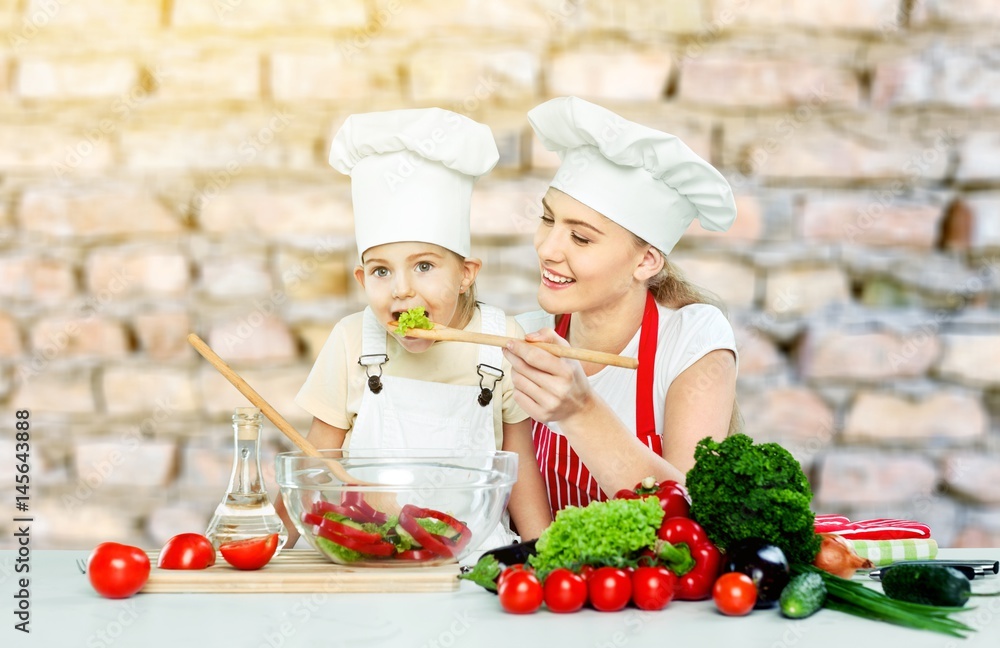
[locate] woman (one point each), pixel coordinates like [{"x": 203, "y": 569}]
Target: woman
[{"x": 621, "y": 199}]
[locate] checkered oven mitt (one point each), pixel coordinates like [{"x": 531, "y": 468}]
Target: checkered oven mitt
[
  {"x": 886, "y": 552},
  {"x": 883, "y": 540}
]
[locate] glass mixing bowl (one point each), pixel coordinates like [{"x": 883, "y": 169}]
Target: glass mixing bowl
[{"x": 396, "y": 507}]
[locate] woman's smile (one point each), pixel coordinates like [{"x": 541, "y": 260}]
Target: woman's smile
[{"x": 555, "y": 281}]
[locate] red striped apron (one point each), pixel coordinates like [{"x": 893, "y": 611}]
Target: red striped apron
[{"x": 567, "y": 480}]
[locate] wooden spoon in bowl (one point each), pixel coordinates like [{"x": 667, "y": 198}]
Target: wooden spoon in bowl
[
  {"x": 441, "y": 332},
  {"x": 384, "y": 502}
]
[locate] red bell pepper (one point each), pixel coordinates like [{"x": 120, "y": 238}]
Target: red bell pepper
[
  {"x": 356, "y": 501},
  {"x": 685, "y": 548},
  {"x": 312, "y": 518},
  {"x": 332, "y": 526},
  {"x": 673, "y": 497},
  {"x": 365, "y": 542},
  {"x": 439, "y": 544},
  {"x": 379, "y": 547},
  {"x": 353, "y": 506},
  {"x": 322, "y": 507}
]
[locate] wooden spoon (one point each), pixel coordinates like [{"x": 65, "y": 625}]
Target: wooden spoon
[
  {"x": 272, "y": 415},
  {"x": 440, "y": 332}
]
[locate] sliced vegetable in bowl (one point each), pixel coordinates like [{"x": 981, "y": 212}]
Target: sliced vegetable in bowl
[
  {"x": 444, "y": 503},
  {"x": 349, "y": 536}
]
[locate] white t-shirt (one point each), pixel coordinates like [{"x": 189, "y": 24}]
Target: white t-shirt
[
  {"x": 685, "y": 336},
  {"x": 333, "y": 390}
]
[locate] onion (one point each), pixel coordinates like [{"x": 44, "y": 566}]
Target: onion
[{"x": 837, "y": 557}]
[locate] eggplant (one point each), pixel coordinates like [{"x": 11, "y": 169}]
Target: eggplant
[
  {"x": 514, "y": 554},
  {"x": 764, "y": 563},
  {"x": 507, "y": 555}
]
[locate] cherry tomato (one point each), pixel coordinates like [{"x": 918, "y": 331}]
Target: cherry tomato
[
  {"x": 586, "y": 572},
  {"x": 734, "y": 594},
  {"x": 610, "y": 589},
  {"x": 520, "y": 592},
  {"x": 564, "y": 591},
  {"x": 513, "y": 569},
  {"x": 252, "y": 553},
  {"x": 117, "y": 570},
  {"x": 187, "y": 551},
  {"x": 653, "y": 587}
]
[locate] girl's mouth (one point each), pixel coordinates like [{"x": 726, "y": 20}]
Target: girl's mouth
[{"x": 397, "y": 314}]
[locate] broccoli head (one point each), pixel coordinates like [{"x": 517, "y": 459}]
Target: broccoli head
[{"x": 743, "y": 490}]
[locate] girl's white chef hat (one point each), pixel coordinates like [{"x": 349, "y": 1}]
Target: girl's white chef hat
[
  {"x": 647, "y": 181},
  {"x": 412, "y": 173}
]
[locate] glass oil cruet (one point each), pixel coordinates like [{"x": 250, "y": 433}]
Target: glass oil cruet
[{"x": 245, "y": 511}]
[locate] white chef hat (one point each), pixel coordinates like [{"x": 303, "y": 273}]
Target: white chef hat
[
  {"x": 412, "y": 173},
  {"x": 647, "y": 181}
]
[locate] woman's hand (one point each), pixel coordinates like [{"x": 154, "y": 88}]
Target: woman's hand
[{"x": 548, "y": 388}]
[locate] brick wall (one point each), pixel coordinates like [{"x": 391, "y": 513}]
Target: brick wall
[{"x": 162, "y": 171}]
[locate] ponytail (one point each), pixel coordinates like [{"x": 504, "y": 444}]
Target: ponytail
[{"x": 671, "y": 289}]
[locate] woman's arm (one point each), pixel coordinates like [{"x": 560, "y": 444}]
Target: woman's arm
[
  {"x": 553, "y": 389},
  {"x": 699, "y": 404},
  {"x": 322, "y": 436},
  {"x": 529, "y": 504}
]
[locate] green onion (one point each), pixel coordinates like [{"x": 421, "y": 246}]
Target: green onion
[{"x": 854, "y": 598}]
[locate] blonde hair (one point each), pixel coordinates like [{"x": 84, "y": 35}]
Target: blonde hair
[
  {"x": 671, "y": 289},
  {"x": 467, "y": 303},
  {"x": 466, "y": 300}
]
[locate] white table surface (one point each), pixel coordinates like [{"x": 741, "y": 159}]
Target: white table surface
[{"x": 66, "y": 612}]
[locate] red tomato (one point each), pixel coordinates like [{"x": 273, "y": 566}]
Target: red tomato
[
  {"x": 653, "y": 587},
  {"x": 520, "y": 592},
  {"x": 116, "y": 570},
  {"x": 513, "y": 569},
  {"x": 734, "y": 594},
  {"x": 586, "y": 572},
  {"x": 252, "y": 553},
  {"x": 610, "y": 589},
  {"x": 564, "y": 591},
  {"x": 187, "y": 551}
]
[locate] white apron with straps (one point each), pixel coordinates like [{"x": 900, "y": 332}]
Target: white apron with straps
[{"x": 418, "y": 414}]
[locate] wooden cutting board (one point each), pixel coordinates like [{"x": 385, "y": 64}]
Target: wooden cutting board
[{"x": 301, "y": 570}]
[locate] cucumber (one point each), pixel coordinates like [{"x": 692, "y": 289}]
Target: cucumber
[
  {"x": 405, "y": 536},
  {"x": 336, "y": 553},
  {"x": 927, "y": 584},
  {"x": 803, "y": 596}
]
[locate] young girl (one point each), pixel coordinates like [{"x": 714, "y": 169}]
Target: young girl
[
  {"x": 621, "y": 199},
  {"x": 412, "y": 173}
]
